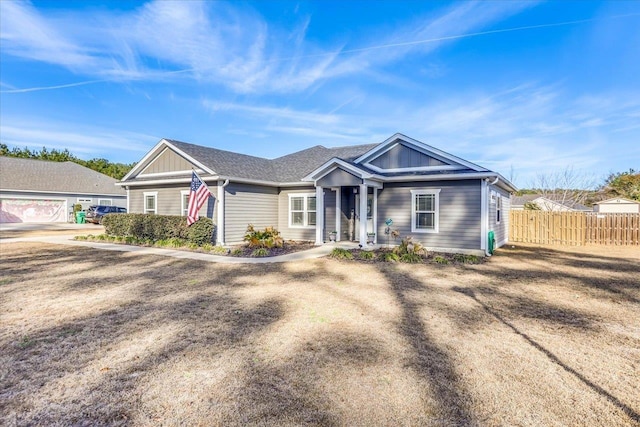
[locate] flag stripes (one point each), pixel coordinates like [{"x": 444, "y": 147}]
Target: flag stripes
[{"x": 198, "y": 194}]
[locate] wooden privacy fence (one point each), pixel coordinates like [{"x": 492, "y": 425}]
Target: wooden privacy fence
[{"x": 574, "y": 228}]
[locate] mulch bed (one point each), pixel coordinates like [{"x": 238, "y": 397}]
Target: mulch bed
[
  {"x": 290, "y": 246},
  {"x": 360, "y": 255}
]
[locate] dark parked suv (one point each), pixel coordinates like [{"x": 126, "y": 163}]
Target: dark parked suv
[{"x": 95, "y": 215}]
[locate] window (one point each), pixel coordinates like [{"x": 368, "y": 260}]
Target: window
[
  {"x": 81, "y": 200},
  {"x": 425, "y": 210},
  {"x": 104, "y": 202},
  {"x": 151, "y": 203},
  {"x": 302, "y": 210},
  {"x": 184, "y": 196},
  {"x": 498, "y": 208}
]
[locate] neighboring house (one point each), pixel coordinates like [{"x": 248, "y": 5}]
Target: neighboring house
[
  {"x": 546, "y": 204},
  {"x": 617, "y": 205},
  {"x": 442, "y": 201},
  {"x": 43, "y": 191}
]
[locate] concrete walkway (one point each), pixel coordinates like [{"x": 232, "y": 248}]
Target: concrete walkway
[{"x": 67, "y": 239}]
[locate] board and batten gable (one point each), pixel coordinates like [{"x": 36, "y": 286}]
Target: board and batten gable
[
  {"x": 402, "y": 156},
  {"x": 246, "y": 204},
  {"x": 168, "y": 161},
  {"x": 293, "y": 233},
  {"x": 338, "y": 177},
  {"x": 169, "y": 199},
  {"x": 459, "y": 214}
]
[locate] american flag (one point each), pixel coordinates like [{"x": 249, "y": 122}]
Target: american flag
[{"x": 198, "y": 194}]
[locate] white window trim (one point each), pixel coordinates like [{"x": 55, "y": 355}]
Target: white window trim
[
  {"x": 498, "y": 208},
  {"x": 306, "y": 211},
  {"x": 155, "y": 199},
  {"x": 436, "y": 219},
  {"x": 103, "y": 200},
  {"x": 182, "y": 205}
]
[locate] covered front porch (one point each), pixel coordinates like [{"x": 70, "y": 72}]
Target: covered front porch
[{"x": 346, "y": 206}]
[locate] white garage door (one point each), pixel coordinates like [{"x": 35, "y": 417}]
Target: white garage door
[{"x": 32, "y": 210}]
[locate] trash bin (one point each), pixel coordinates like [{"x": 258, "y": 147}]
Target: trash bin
[
  {"x": 491, "y": 240},
  {"x": 80, "y": 217}
]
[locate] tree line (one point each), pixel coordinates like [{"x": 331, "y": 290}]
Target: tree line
[
  {"x": 570, "y": 188},
  {"x": 104, "y": 166}
]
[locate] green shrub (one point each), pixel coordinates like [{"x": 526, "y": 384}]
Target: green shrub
[
  {"x": 236, "y": 252},
  {"x": 411, "y": 258},
  {"x": 340, "y": 253},
  {"x": 441, "y": 260},
  {"x": 159, "y": 227},
  {"x": 80, "y": 238},
  {"x": 267, "y": 238},
  {"x": 201, "y": 231},
  {"x": 389, "y": 257},
  {"x": 366, "y": 255},
  {"x": 466, "y": 259},
  {"x": 207, "y": 247},
  {"x": 260, "y": 252}
]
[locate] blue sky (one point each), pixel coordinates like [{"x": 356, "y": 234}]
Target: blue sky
[{"x": 522, "y": 88}]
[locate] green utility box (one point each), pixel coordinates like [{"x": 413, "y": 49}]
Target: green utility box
[
  {"x": 491, "y": 242},
  {"x": 80, "y": 217}
]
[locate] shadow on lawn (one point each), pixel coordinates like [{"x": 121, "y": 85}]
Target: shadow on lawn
[
  {"x": 429, "y": 361},
  {"x": 552, "y": 357},
  {"x": 79, "y": 372},
  {"x": 615, "y": 278}
]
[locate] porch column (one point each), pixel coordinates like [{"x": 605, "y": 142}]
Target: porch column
[
  {"x": 363, "y": 214},
  {"x": 319, "y": 215},
  {"x": 338, "y": 212},
  {"x": 375, "y": 214},
  {"x": 220, "y": 219}
]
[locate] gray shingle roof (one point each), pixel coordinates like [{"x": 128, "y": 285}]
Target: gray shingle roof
[
  {"x": 293, "y": 167},
  {"x": 228, "y": 163},
  {"x": 290, "y": 168},
  {"x": 63, "y": 177}
]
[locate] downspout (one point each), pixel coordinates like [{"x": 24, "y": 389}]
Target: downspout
[
  {"x": 487, "y": 204},
  {"x": 220, "y": 221}
]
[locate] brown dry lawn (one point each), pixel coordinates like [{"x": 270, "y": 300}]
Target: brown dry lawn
[{"x": 535, "y": 336}]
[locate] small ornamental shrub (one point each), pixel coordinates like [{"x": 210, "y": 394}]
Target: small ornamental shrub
[
  {"x": 260, "y": 252},
  {"x": 207, "y": 247},
  {"x": 267, "y": 238},
  {"x": 237, "y": 252},
  {"x": 219, "y": 250},
  {"x": 411, "y": 258},
  {"x": 441, "y": 260},
  {"x": 367, "y": 255},
  {"x": 407, "y": 246},
  {"x": 466, "y": 259},
  {"x": 389, "y": 257},
  {"x": 339, "y": 253}
]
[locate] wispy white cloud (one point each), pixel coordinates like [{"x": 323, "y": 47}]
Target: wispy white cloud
[
  {"x": 531, "y": 127},
  {"x": 221, "y": 43}
]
